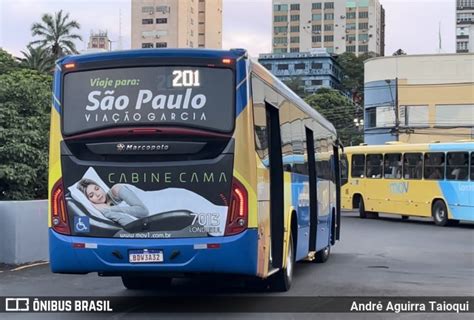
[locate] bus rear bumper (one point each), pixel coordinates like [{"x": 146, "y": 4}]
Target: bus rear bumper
[{"x": 235, "y": 254}]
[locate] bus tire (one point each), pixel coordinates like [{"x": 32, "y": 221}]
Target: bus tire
[
  {"x": 281, "y": 281},
  {"x": 439, "y": 211},
  {"x": 323, "y": 255},
  {"x": 362, "y": 212},
  {"x": 144, "y": 283}
]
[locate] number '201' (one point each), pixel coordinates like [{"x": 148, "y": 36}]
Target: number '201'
[{"x": 186, "y": 78}]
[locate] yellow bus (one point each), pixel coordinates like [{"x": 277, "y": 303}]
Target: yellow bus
[{"x": 425, "y": 180}]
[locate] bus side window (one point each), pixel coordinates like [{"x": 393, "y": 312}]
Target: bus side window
[
  {"x": 412, "y": 166},
  {"x": 343, "y": 168},
  {"x": 374, "y": 166},
  {"x": 434, "y": 166},
  {"x": 392, "y": 166},
  {"x": 358, "y": 166},
  {"x": 457, "y": 167},
  {"x": 472, "y": 166}
]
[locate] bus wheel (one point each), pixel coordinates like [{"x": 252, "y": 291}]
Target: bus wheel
[
  {"x": 281, "y": 281},
  {"x": 323, "y": 255},
  {"x": 440, "y": 213},
  {"x": 362, "y": 212},
  {"x": 144, "y": 283}
]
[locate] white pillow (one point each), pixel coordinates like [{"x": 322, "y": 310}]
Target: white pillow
[{"x": 79, "y": 196}]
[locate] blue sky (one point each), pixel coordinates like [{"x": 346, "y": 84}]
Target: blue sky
[{"x": 410, "y": 24}]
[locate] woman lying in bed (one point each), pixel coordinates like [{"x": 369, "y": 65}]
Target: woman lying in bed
[{"x": 107, "y": 203}]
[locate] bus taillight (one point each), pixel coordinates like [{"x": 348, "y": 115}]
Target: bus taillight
[
  {"x": 59, "y": 219},
  {"x": 237, "y": 219}
]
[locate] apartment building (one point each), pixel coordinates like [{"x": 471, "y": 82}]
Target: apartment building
[
  {"x": 356, "y": 26},
  {"x": 177, "y": 24},
  {"x": 464, "y": 26}
]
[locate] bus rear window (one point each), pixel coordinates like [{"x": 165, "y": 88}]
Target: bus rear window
[{"x": 197, "y": 97}]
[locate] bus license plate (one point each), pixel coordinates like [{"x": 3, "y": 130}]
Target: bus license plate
[{"x": 145, "y": 256}]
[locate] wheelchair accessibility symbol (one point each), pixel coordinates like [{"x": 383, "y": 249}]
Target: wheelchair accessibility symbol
[{"x": 81, "y": 224}]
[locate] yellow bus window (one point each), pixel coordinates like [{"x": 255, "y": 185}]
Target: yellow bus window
[
  {"x": 457, "y": 167},
  {"x": 434, "y": 166},
  {"x": 374, "y": 166},
  {"x": 392, "y": 166},
  {"x": 412, "y": 166}
]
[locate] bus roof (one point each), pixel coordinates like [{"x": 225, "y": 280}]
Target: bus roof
[
  {"x": 151, "y": 53},
  {"x": 400, "y": 147},
  {"x": 289, "y": 94}
]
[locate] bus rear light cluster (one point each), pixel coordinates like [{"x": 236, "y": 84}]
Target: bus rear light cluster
[
  {"x": 59, "y": 219},
  {"x": 237, "y": 218}
]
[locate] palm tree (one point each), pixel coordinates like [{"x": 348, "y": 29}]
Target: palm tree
[
  {"x": 56, "y": 33},
  {"x": 39, "y": 59}
]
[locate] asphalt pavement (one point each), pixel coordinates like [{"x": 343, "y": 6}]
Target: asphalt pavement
[{"x": 375, "y": 257}]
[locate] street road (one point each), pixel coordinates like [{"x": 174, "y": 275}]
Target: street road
[{"x": 375, "y": 257}]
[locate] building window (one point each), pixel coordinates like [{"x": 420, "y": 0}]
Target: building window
[
  {"x": 280, "y": 18},
  {"x": 149, "y": 10},
  {"x": 364, "y": 48},
  {"x": 316, "y": 65},
  {"x": 351, "y": 37},
  {"x": 351, "y": 15},
  {"x": 162, "y": 20},
  {"x": 294, "y": 49},
  {"x": 163, "y": 9},
  {"x": 295, "y": 28},
  {"x": 316, "y": 17},
  {"x": 147, "y": 21},
  {"x": 282, "y": 66},
  {"x": 316, "y": 27},
  {"x": 370, "y": 117},
  {"x": 329, "y": 16},
  {"x": 316, "y": 82},
  {"x": 295, "y": 17},
  {"x": 351, "y": 26},
  {"x": 316, "y": 6},
  {"x": 294, "y": 39},
  {"x": 161, "y": 44},
  {"x": 300, "y": 66},
  {"x": 280, "y": 40},
  {"x": 328, "y": 27},
  {"x": 295, "y": 6},
  {"x": 328, "y": 38},
  {"x": 280, "y": 29},
  {"x": 363, "y": 15},
  {"x": 279, "y": 50},
  {"x": 329, "y": 5},
  {"x": 364, "y": 25},
  {"x": 280, "y": 7},
  {"x": 147, "y": 45},
  {"x": 316, "y": 38},
  {"x": 351, "y": 48},
  {"x": 454, "y": 115},
  {"x": 267, "y": 66},
  {"x": 363, "y": 37},
  {"x": 414, "y": 116}
]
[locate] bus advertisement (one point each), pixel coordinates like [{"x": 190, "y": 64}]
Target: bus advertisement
[{"x": 172, "y": 162}]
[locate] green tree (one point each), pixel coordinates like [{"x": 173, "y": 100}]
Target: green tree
[
  {"x": 353, "y": 70},
  {"x": 296, "y": 85},
  {"x": 56, "y": 34},
  {"x": 7, "y": 62},
  {"x": 39, "y": 59},
  {"x": 340, "y": 111},
  {"x": 25, "y": 97}
]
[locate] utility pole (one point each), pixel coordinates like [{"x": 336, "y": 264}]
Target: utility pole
[{"x": 397, "y": 113}]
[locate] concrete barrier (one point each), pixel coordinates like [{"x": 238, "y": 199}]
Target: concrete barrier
[{"x": 23, "y": 231}]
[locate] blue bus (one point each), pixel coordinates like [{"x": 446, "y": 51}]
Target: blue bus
[{"x": 173, "y": 162}]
